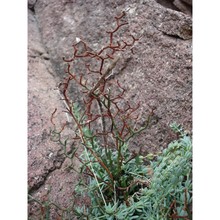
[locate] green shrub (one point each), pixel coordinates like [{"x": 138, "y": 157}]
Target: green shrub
[
  {"x": 170, "y": 192},
  {"x": 167, "y": 194}
]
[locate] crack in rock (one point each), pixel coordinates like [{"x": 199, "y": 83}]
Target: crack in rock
[
  {"x": 31, "y": 5},
  {"x": 57, "y": 164}
]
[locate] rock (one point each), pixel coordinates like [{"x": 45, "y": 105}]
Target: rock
[
  {"x": 189, "y": 2},
  {"x": 160, "y": 67},
  {"x": 174, "y": 24},
  {"x": 31, "y": 4},
  {"x": 44, "y": 156},
  {"x": 158, "y": 73},
  {"x": 167, "y": 4},
  {"x": 184, "y": 6}
]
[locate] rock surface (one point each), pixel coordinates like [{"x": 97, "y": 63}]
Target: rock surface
[
  {"x": 45, "y": 160},
  {"x": 158, "y": 74},
  {"x": 184, "y": 6}
]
